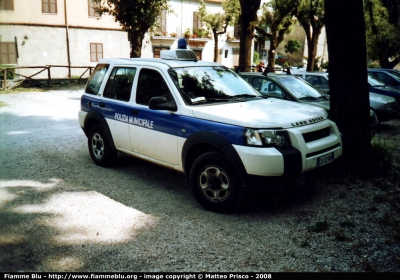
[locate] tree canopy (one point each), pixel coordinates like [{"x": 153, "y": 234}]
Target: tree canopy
[
  {"x": 135, "y": 16},
  {"x": 311, "y": 15},
  {"x": 382, "y": 19},
  {"x": 278, "y": 16},
  {"x": 218, "y": 22},
  {"x": 293, "y": 46}
]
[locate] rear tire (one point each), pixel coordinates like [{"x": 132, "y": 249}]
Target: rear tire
[
  {"x": 215, "y": 183},
  {"x": 99, "y": 147}
]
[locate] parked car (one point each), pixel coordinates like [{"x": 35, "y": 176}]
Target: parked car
[
  {"x": 389, "y": 77},
  {"x": 201, "y": 119},
  {"x": 293, "y": 88},
  {"x": 377, "y": 86},
  {"x": 385, "y": 106}
]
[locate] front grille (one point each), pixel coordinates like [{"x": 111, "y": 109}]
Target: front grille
[
  {"x": 322, "y": 151},
  {"x": 315, "y": 135}
]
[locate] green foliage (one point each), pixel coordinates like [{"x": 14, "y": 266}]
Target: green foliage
[
  {"x": 325, "y": 65},
  {"x": 374, "y": 64},
  {"x": 293, "y": 46},
  {"x": 10, "y": 72},
  {"x": 256, "y": 57},
  {"x": 382, "y": 20},
  {"x": 219, "y": 21},
  {"x": 135, "y": 16},
  {"x": 278, "y": 16},
  {"x": 311, "y": 15}
]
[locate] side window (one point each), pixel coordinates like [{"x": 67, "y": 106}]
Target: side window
[
  {"x": 119, "y": 84},
  {"x": 383, "y": 77},
  {"x": 258, "y": 84},
  {"x": 96, "y": 78},
  {"x": 151, "y": 84},
  {"x": 312, "y": 80},
  {"x": 323, "y": 82},
  {"x": 269, "y": 88},
  {"x": 246, "y": 79},
  {"x": 389, "y": 80}
]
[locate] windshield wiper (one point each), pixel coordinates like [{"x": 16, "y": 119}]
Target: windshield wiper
[
  {"x": 309, "y": 97},
  {"x": 245, "y": 95}
]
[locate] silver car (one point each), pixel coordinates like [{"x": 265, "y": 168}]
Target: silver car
[{"x": 385, "y": 107}]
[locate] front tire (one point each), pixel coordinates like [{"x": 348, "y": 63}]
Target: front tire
[
  {"x": 99, "y": 147},
  {"x": 215, "y": 183}
]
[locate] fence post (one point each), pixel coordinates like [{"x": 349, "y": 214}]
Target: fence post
[
  {"x": 48, "y": 76},
  {"x": 4, "y": 78}
]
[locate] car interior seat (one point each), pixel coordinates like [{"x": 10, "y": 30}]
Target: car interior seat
[
  {"x": 122, "y": 88},
  {"x": 190, "y": 86},
  {"x": 271, "y": 88}
]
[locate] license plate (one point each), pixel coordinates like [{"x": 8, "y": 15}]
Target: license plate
[{"x": 325, "y": 159}]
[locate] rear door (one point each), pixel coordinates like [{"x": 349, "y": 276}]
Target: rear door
[{"x": 117, "y": 104}]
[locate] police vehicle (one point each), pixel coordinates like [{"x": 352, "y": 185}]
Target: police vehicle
[{"x": 202, "y": 119}]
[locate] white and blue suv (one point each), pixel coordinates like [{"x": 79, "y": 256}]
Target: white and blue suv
[{"x": 202, "y": 119}]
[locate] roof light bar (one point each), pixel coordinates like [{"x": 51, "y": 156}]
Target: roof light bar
[{"x": 178, "y": 54}]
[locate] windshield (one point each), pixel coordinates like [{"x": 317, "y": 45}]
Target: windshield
[
  {"x": 299, "y": 88},
  {"x": 374, "y": 82},
  {"x": 209, "y": 84}
]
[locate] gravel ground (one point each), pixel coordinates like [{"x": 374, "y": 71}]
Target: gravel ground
[{"x": 61, "y": 212}]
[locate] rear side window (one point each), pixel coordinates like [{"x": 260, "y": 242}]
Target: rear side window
[
  {"x": 119, "y": 84},
  {"x": 317, "y": 81},
  {"x": 259, "y": 83},
  {"x": 96, "y": 78}
]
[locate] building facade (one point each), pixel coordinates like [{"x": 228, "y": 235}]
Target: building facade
[{"x": 70, "y": 33}]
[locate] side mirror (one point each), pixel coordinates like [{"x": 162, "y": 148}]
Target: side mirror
[{"x": 161, "y": 103}]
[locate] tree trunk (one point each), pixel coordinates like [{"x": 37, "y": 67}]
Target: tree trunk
[
  {"x": 312, "y": 48},
  {"x": 215, "y": 44},
  {"x": 271, "y": 53},
  {"x": 349, "y": 101},
  {"x": 248, "y": 16},
  {"x": 136, "y": 39}
]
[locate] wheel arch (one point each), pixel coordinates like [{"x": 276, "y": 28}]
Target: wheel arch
[
  {"x": 203, "y": 142},
  {"x": 93, "y": 118}
]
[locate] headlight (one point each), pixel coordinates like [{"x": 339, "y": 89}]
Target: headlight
[{"x": 267, "y": 138}]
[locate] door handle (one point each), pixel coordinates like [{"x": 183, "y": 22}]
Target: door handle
[
  {"x": 102, "y": 104},
  {"x": 135, "y": 112}
]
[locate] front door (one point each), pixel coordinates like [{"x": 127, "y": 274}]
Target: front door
[{"x": 153, "y": 133}]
